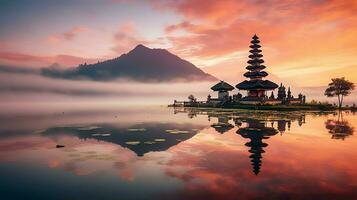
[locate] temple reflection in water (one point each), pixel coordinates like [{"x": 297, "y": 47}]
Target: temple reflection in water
[
  {"x": 256, "y": 131},
  {"x": 258, "y": 127},
  {"x": 223, "y": 124}
]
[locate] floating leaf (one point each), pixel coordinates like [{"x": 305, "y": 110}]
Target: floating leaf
[
  {"x": 137, "y": 129},
  {"x": 149, "y": 142},
  {"x": 101, "y": 134},
  {"x": 88, "y": 128},
  {"x": 176, "y": 131},
  {"x": 133, "y": 142}
]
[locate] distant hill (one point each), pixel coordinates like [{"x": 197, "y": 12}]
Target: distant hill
[{"x": 141, "y": 64}]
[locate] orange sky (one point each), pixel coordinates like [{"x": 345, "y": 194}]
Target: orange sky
[{"x": 305, "y": 43}]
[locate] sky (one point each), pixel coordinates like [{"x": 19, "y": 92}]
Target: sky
[{"x": 305, "y": 43}]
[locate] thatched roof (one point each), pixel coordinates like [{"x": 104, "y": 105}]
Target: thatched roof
[
  {"x": 256, "y": 74},
  {"x": 255, "y": 46},
  {"x": 255, "y": 61},
  {"x": 255, "y": 55},
  {"x": 222, "y": 86},
  {"x": 254, "y": 67},
  {"x": 257, "y": 84}
]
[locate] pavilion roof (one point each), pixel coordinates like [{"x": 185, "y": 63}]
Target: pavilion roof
[{"x": 222, "y": 86}]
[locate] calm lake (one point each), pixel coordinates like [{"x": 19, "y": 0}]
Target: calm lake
[{"x": 155, "y": 152}]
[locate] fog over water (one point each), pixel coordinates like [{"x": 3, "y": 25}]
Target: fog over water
[
  {"x": 17, "y": 87},
  {"x": 28, "y": 85}
]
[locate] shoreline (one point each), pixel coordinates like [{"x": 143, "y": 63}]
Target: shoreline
[{"x": 307, "y": 107}]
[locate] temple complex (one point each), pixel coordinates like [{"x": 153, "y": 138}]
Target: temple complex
[{"x": 259, "y": 90}]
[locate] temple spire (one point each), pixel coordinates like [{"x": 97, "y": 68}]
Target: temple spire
[
  {"x": 256, "y": 85},
  {"x": 255, "y": 60}
]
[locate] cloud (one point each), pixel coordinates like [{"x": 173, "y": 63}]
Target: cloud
[
  {"x": 305, "y": 32},
  {"x": 230, "y": 24},
  {"x": 69, "y": 35},
  {"x": 32, "y": 60},
  {"x": 66, "y": 36},
  {"x": 128, "y": 37}
]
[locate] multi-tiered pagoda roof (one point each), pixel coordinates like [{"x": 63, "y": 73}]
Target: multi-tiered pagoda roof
[{"x": 255, "y": 70}]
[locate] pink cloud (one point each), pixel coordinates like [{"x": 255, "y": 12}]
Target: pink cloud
[
  {"x": 32, "y": 60},
  {"x": 223, "y": 27},
  {"x": 68, "y": 35},
  {"x": 293, "y": 33},
  {"x": 127, "y": 37}
]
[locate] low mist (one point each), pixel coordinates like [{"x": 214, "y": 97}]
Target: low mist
[{"x": 23, "y": 85}]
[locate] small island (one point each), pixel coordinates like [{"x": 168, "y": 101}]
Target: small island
[{"x": 259, "y": 90}]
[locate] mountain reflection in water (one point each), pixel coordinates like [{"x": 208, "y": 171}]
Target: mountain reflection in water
[
  {"x": 165, "y": 153},
  {"x": 154, "y": 137}
]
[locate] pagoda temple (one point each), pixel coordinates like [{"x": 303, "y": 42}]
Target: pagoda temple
[{"x": 256, "y": 85}]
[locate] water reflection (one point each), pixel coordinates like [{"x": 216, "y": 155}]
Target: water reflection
[
  {"x": 140, "y": 138},
  {"x": 255, "y": 126},
  {"x": 256, "y": 131},
  {"x": 340, "y": 128},
  {"x": 191, "y": 154},
  {"x": 222, "y": 125}
]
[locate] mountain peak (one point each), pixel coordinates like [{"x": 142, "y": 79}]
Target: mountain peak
[
  {"x": 140, "y": 46},
  {"x": 141, "y": 64}
]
